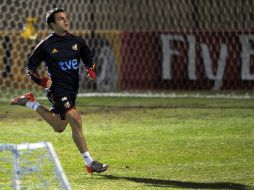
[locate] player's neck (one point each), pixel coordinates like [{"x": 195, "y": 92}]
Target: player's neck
[{"x": 62, "y": 33}]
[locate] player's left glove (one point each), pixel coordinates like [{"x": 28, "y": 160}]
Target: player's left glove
[{"x": 91, "y": 72}]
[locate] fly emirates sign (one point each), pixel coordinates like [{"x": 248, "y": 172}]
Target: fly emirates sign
[{"x": 213, "y": 53}]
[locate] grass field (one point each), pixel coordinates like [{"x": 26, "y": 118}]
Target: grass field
[{"x": 150, "y": 143}]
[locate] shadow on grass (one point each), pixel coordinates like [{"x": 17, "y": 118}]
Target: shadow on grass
[{"x": 180, "y": 184}]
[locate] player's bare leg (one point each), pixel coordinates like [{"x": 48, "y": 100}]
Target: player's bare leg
[
  {"x": 53, "y": 119},
  {"x": 59, "y": 125},
  {"x": 75, "y": 121}
]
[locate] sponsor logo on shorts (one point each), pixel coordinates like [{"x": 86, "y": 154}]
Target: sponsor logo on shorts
[{"x": 64, "y": 98}]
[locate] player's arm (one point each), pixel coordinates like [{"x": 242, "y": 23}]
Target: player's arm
[
  {"x": 40, "y": 80},
  {"x": 87, "y": 58},
  {"x": 34, "y": 61}
]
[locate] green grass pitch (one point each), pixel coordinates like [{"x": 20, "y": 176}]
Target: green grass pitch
[{"x": 149, "y": 143}]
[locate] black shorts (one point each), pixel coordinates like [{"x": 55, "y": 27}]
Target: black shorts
[{"x": 61, "y": 104}]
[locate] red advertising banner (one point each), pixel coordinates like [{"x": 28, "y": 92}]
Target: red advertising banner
[{"x": 187, "y": 61}]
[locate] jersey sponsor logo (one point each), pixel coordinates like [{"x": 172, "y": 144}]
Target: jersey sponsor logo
[
  {"x": 75, "y": 47},
  {"x": 54, "y": 51},
  {"x": 69, "y": 65}
]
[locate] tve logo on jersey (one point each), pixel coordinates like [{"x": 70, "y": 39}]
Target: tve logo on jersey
[{"x": 69, "y": 65}]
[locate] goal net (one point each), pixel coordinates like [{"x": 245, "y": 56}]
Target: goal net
[
  {"x": 144, "y": 45},
  {"x": 31, "y": 166}
]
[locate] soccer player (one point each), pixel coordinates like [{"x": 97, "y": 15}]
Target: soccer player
[{"x": 61, "y": 51}]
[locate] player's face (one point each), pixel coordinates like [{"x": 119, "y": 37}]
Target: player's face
[{"x": 61, "y": 24}]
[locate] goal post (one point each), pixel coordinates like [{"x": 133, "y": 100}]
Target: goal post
[{"x": 33, "y": 165}]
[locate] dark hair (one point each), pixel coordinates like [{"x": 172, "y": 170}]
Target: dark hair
[{"x": 50, "y": 15}]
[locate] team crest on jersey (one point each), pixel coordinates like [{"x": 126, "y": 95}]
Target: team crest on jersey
[
  {"x": 75, "y": 47},
  {"x": 67, "y": 104}
]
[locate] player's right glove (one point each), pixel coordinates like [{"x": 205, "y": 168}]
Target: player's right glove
[
  {"x": 91, "y": 72},
  {"x": 42, "y": 81}
]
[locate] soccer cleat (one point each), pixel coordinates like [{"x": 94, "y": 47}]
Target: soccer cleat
[
  {"x": 96, "y": 167},
  {"x": 22, "y": 100}
]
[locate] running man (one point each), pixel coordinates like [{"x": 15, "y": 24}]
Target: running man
[{"x": 61, "y": 51}]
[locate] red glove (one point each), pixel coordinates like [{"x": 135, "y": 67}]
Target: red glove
[
  {"x": 91, "y": 74},
  {"x": 44, "y": 82}
]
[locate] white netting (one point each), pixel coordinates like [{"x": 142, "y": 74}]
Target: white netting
[
  {"x": 29, "y": 168},
  {"x": 6, "y": 170},
  {"x": 139, "y": 45}
]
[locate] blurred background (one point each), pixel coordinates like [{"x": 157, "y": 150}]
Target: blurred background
[{"x": 139, "y": 45}]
